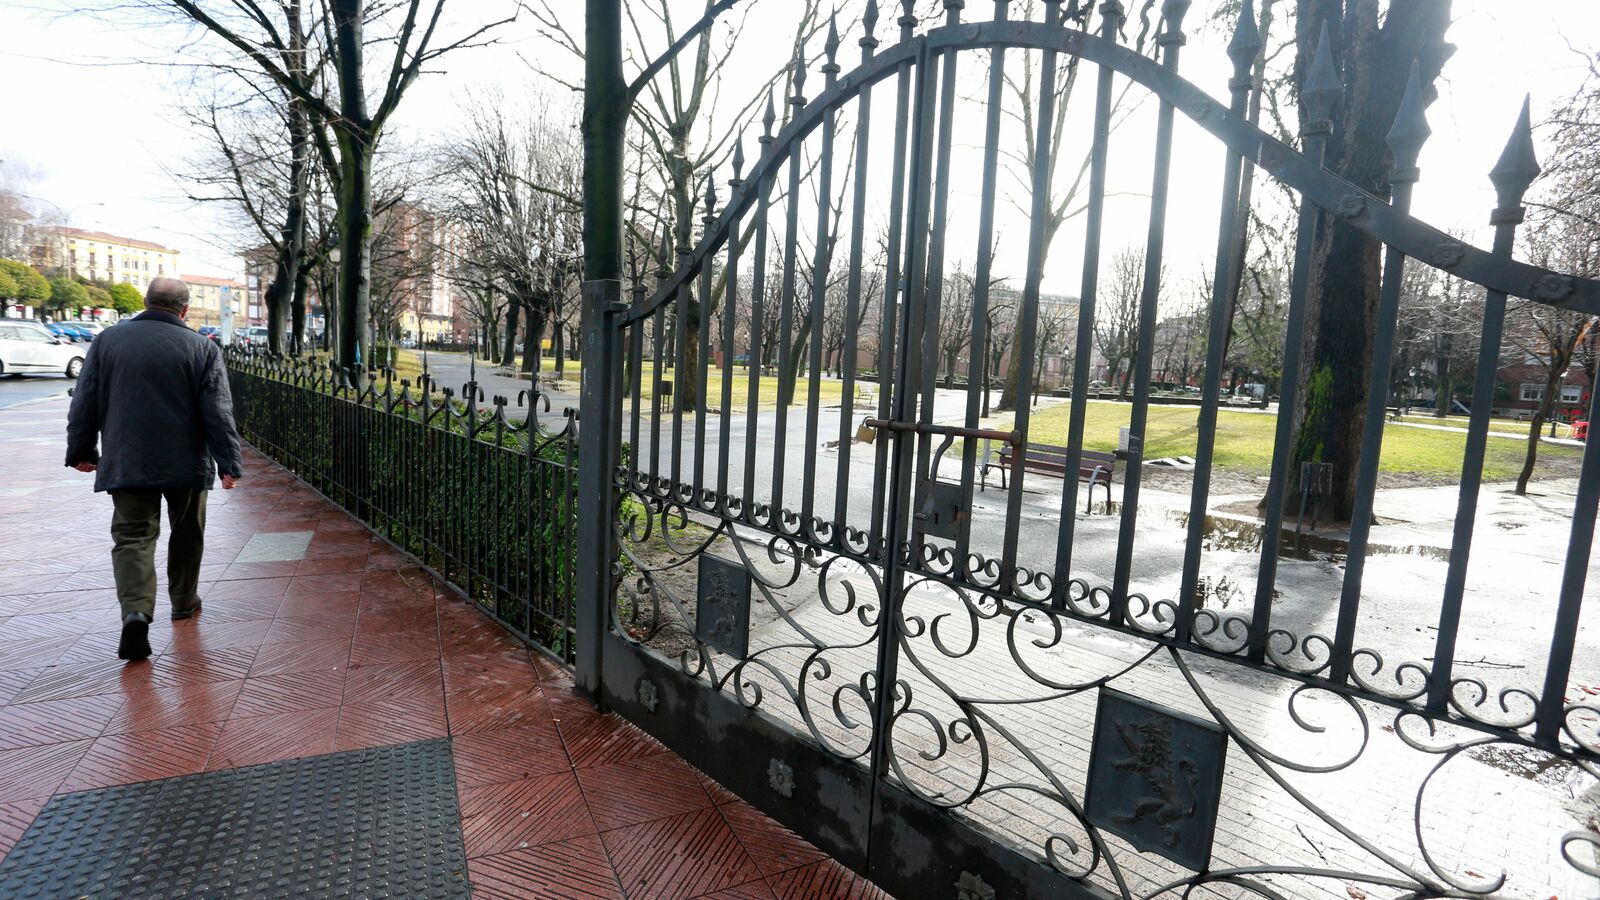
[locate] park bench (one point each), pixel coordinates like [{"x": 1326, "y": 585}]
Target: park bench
[{"x": 1094, "y": 468}]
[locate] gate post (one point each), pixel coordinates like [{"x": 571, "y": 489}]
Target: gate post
[
  {"x": 597, "y": 439},
  {"x": 605, "y": 116}
]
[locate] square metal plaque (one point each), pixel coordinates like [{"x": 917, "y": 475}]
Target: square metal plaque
[
  {"x": 722, "y": 620},
  {"x": 939, "y": 512},
  {"x": 1155, "y": 777}
]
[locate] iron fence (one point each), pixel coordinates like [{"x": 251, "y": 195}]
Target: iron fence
[
  {"x": 911, "y": 675},
  {"x": 482, "y": 496}
]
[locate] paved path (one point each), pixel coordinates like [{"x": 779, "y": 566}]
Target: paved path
[
  {"x": 317, "y": 638},
  {"x": 16, "y": 390}
]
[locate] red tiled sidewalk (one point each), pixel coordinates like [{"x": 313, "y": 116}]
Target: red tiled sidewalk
[{"x": 350, "y": 646}]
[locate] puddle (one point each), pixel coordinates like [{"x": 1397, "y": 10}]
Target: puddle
[
  {"x": 1244, "y": 536},
  {"x": 1536, "y": 766}
]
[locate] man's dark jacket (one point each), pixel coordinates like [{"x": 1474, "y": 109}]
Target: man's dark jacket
[{"x": 156, "y": 394}]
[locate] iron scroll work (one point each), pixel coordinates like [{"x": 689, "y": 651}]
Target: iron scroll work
[{"x": 907, "y": 687}]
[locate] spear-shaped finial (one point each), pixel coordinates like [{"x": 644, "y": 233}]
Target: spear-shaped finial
[
  {"x": 1322, "y": 88},
  {"x": 768, "y": 118},
  {"x": 908, "y": 18},
  {"x": 830, "y": 47},
  {"x": 1410, "y": 130},
  {"x": 1246, "y": 43},
  {"x": 663, "y": 255},
  {"x": 869, "y": 24},
  {"x": 799, "y": 98},
  {"x": 1518, "y": 165},
  {"x": 738, "y": 163},
  {"x": 711, "y": 199}
]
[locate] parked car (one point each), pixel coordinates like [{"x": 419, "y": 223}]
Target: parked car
[
  {"x": 67, "y": 332},
  {"x": 255, "y": 335},
  {"x": 93, "y": 326},
  {"x": 214, "y": 332},
  {"x": 29, "y": 347}
]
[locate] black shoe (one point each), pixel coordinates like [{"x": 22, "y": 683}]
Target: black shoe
[
  {"x": 135, "y": 642},
  {"x": 179, "y": 615}
]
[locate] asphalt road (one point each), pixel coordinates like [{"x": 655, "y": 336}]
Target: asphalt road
[{"x": 19, "y": 389}]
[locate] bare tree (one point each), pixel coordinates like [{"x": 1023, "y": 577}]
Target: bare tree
[
  {"x": 512, "y": 171},
  {"x": 1066, "y": 199},
  {"x": 1116, "y": 326},
  {"x": 346, "y": 116},
  {"x": 674, "y": 100}
]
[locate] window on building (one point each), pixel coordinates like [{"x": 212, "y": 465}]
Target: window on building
[
  {"x": 1571, "y": 393},
  {"x": 1533, "y": 393}
]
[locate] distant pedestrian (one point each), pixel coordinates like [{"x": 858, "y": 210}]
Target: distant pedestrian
[{"x": 155, "y": 394}]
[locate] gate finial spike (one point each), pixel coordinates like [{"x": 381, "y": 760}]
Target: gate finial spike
[
  {"x": 831, "y": 45},
  {"x": 799, "y": 76},
  {"x": 1410, "y": 130},
  {"x": 663, "y": 266},
  {"x": 769, "y": 117},
  {"x": 738, "y": 161},
  {"x": 1518, "y": 165},
  {"x": 711, "y": 199},
  {"x": 869, "y": 20},
  {"x": 1246, "y": 43},
  {"x": 1322, "y": 88}
]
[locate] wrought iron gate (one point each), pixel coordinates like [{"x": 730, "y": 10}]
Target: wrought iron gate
[{"x": 891, "y": 661}]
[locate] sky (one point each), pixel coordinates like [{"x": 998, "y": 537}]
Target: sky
[{"x": 103, "y": 129}]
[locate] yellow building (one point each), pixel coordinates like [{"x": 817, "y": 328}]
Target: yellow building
[
  {"x": 99, "y": 256},
  {"x": 208, "y": 296}
]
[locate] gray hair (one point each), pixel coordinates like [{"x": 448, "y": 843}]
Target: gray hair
[{"x": 168, "y": 294}]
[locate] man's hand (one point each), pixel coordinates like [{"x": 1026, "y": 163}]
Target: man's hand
[
  {"x": 228, "y": 481},
  {"x": 84, "y": 467}
]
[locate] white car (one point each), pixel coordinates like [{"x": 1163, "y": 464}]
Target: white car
[{"x": 28, "y": 347}]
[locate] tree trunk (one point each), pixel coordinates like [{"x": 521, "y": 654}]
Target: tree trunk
[
  {"x": 532, "y": 352},
  {"x": 297, "y": 311},
  {"x": 1552, "y": 386},
  {"x": 1344, "y": 283},
  {"x": 356, "y": 146},
  {"x": 508, "y": 356}
]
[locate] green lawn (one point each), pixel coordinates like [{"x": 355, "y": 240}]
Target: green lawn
[
  {"x": 829, "y": 390},
  {"x": 1244, "y": 441}
]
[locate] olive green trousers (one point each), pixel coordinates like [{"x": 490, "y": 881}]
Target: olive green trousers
[{"x": 135, "y": 527}]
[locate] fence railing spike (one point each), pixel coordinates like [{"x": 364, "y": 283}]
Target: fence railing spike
[
  {"x": 1322, "y": 87},
  {"x": 1246, "y": 42},
  {"x": 869, "y": 23},
  {"x": 1519, "y": 163},
  {"x": 798, "y": 99},
  {"x": 830, "y": 47},
  {"x": 1410, "y": 130}
]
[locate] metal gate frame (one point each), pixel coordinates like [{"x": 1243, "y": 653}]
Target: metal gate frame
[{"x": 859, "y": 814}]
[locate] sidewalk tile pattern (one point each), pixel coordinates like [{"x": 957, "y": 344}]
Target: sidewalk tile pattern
[{"x": 348, "y": 646}]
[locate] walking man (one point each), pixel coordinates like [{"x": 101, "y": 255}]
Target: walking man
[{"x": 155, "y": 394}]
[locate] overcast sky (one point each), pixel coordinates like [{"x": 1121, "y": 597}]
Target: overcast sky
[{"x": 100, "y": 129}]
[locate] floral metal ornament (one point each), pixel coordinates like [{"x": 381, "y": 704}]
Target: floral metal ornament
[
  {"x": 972, "y": 887},
  {"x": 781, "y": 777}
]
